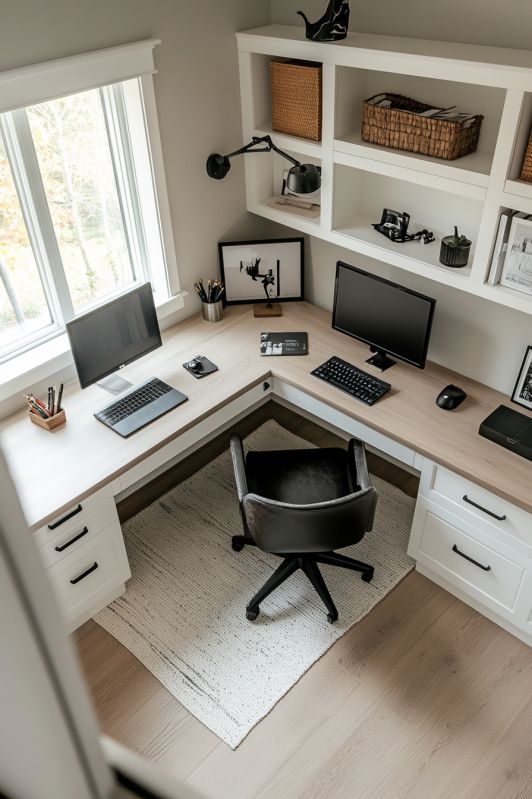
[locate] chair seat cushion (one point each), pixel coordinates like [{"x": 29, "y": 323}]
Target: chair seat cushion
[{"x": 300, "y": 476}]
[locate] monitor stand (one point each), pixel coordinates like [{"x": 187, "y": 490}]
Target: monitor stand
[
  {"x": 114, "y": 383},
  {"x": 380, "y": 360}
]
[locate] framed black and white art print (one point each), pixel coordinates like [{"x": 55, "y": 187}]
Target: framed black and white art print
[
  {"x": 523, "y": 388},
  {"x": 262, "y": 271}
]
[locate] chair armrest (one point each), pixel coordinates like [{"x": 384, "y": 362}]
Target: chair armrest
[
  {"x": 356, "y": 454},
  {"x": 237, "y": 454}
]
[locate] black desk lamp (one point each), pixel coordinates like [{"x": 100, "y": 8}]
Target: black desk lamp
[{"x": 302, "y": 178}]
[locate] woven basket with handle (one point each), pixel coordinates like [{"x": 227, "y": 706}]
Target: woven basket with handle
[
  {"x": 526, "y": 170},
  {"x": 296, "y": 98},
  {"x": 402, "y": 128}
]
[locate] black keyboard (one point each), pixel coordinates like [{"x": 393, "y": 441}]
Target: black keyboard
[
  {"x": 140, "y": 406},
  {"x": 354, "y": 381}
]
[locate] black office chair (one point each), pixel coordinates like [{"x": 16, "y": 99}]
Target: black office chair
[{"x": 301, "y": 505}]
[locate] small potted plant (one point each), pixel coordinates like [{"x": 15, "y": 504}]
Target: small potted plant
[{"x": 454, "y": 250}]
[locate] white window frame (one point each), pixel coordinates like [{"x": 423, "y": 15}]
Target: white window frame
[{"x": 38, "y": 83}]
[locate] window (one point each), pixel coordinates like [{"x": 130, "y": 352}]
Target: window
[{"x": 79, "y": 212}]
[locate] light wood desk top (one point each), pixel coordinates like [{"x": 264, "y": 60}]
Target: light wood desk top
[{"x": 54, "y": 470}]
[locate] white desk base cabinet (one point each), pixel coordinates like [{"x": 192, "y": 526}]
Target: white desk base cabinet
[
  {"x": 475, "y": 545},
  {"x": 84, "y": 555}
]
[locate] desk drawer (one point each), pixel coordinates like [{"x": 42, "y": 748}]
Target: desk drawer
[
  {"x": 90, "y": 573},
  {"x": 74, "y": 517},
  {"x": 471, "y": 562},
  {"x": 476, "y": 504},
  {"x": 86, "y": 529}
]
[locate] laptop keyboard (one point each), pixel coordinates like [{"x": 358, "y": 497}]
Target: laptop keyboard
[{"x": 136, "y": 399}]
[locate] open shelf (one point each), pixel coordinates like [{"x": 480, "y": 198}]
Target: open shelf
[
  {"x": 518, "y": 188},
  {"x": 305, "y": 147},
  {"x": 353, "y": 86},
  {"x": 409, "y": 175},
  {"x": 261, "y": 109},
  {"x": 264, "y": 178},
  {"x": 412, "y": 254},
  {"x": 472, "y": 169},
  {"x": 360, "y": 197}
]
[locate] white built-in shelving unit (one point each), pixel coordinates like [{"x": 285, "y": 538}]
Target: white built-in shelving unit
[{"x": 360, "y": 179}]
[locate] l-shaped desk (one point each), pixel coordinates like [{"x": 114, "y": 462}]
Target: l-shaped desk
[{"x": 472, "y": 529}]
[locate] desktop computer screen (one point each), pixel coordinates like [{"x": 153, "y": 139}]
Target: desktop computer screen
[
  {"x": 389, "y": 317},
  {"x": 113, "y": 335}
]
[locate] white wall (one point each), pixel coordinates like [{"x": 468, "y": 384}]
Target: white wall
[{"x": 479, "y": 338}]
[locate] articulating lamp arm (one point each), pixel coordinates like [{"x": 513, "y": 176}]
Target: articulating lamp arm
[{"x": 219, "y": 165}]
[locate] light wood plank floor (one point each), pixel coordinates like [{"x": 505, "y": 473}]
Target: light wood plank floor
[{"x": 422, "y": 699}]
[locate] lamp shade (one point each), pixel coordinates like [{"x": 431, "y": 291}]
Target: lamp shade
[{"x": 303, "y": 179}]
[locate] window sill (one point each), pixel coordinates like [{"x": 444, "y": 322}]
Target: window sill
[{"x": 39, "y": 363}]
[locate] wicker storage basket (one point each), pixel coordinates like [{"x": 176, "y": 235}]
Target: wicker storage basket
[
  {"x": 296, "y": 98},
  {"x": 526, "y": 171},
  {"x": 401, "y": 127}
]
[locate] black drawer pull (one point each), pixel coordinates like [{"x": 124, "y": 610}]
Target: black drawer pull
[
  {"x": 484, "y": 510},
  {"x": 85, "y": 574},
  {"x": 65, "y": 518},
  {"x": 475, "y": 562},
  {"x": 73, "y": 540}
]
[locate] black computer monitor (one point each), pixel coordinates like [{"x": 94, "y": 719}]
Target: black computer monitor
[
  {"x": 389, "y": 317},
  {"x": 113, "y": 335}
]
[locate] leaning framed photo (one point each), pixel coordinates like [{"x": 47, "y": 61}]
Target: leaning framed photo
[
  {"x": 262, "y": 271},
  {"x": 522, "y": 393},
  {"x": 517, "y": 268}
]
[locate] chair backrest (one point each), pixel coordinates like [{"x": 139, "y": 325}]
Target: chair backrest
[{"x": 321, "y": 527}]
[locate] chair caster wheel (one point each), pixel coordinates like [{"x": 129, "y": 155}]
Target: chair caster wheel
[
  {"x": 332, "y": 617},
  {"x": 237, "y": 545},
  {"x": 251, "y": 615},
  {"x": 367, "y": 576}
]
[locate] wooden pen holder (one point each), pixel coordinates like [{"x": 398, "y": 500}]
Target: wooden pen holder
[{"x": 48, "y": 424}]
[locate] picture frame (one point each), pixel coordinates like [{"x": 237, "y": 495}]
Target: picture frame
[
  {"x": 262, "y": 271},
  {"x": 522, "y": 393},
  {"x": 517, "y": 268}
]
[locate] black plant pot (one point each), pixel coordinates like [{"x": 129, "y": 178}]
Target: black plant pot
[{"x": 453, "y": 256}]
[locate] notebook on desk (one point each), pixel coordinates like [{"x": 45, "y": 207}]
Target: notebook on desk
[{"x": 284, "y": 343}]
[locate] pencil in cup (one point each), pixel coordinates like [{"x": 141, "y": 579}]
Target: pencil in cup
[{"x": 211, "y": 293}]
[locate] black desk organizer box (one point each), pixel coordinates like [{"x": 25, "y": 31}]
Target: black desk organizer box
[{"x": 509, "y": 429}]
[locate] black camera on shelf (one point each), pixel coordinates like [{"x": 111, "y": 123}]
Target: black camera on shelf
[{"x": 394, "y": 225}]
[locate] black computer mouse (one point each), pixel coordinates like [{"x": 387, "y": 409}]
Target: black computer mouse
[
  {"x": 195, "y": 365},
  {"x": 450, "y": 397}
]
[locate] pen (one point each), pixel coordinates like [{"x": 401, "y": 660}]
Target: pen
[
  {"x": 49, "y": 408},
  {"x": 59, "y": 398},
  {"x": 53, "y": 401}
]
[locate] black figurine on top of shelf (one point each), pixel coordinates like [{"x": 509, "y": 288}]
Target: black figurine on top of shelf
[{"x": 332, "y": 26}]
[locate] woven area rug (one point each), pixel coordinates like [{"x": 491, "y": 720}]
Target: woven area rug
[{"x": 183, "y": 614}]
